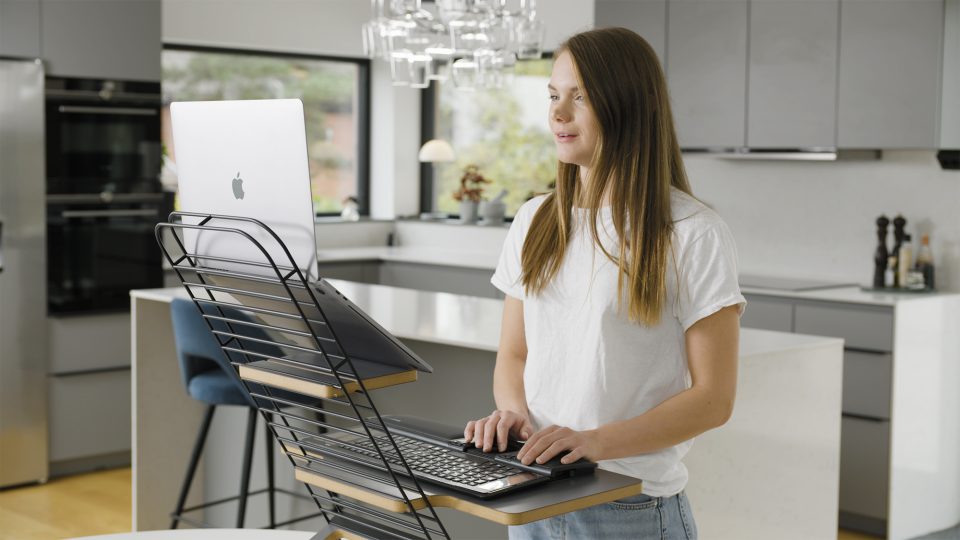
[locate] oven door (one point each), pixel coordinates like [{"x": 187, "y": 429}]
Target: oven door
[
  {"x": 98, "y": 145},
  {"x": 97, "y": 252}
]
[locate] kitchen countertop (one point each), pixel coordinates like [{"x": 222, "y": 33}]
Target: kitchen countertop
[
  {"x": 465, "y": 258},
  {"x": 473, "y": 322}
]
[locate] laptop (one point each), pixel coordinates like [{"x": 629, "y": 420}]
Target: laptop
[{"x": 249, "y": 159}]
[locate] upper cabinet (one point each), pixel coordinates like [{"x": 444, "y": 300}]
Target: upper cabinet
[
  {"x": 950, "y": 108},
  {"x": 792, "y": 75},
  {"x": 101, "y": 39},
  {"x": 20, "y": 28},
  {"x": 890, "y": 65},
  {"x": 707, "y": 67},
  {"x": 645, "y": 17}
]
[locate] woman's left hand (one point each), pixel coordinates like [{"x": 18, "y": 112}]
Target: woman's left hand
[{"x": 547, "y": 443}]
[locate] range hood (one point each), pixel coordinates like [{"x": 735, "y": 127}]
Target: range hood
[
  {"x": 788, "y": 154},
  {"x": 949, "y": 159}
]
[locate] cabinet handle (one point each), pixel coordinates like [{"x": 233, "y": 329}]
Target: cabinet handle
[
  {"x": 136, "y": 111},
  {"x": 867, "y": 418},
  {"x": 67, "y": 214},
  {"x": 1, "y": 245}
]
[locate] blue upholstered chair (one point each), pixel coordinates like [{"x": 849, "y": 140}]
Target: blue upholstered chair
[{"x": 208, "y": 377}]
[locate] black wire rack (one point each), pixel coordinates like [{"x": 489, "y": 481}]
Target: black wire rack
[{"x": 267, "y": 319}]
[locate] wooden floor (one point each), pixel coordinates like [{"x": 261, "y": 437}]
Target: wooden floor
[
  {"x": 94, "y": 503},
  {"x": 81, "y": 505}
]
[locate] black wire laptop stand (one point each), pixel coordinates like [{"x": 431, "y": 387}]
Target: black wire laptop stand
[{"x": 269, "y": 323}]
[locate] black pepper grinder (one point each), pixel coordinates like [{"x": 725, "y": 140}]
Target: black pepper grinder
[
  {"x": 880, "y": 261},
  {"x": 898, "y": 235}
]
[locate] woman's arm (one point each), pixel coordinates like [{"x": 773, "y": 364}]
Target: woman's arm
[
  {"x": 508, "y": 392},
  {"x": 712, "y": 350}
]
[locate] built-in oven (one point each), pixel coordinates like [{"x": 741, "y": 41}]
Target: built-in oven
[
  {"x": 97, "y": 252},
  {"x": 103, "y": 158}
]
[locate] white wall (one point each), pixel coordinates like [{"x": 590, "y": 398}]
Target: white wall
[
  {"x": 332, "y": 27},
  {"x": 817, "y": 220}
]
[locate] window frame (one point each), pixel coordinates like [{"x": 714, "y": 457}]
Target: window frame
[
  {"x": 363, "y": 105},
  {"x": 428, "y": 129}
]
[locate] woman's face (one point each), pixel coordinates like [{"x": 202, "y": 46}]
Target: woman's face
[{"x": 572, "y": 121}]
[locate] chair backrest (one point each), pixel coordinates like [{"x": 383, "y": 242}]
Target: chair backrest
[{"x": 198, "y": 350}]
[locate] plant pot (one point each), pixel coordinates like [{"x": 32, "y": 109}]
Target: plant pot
[
  {"x": 492, "y": 212},
  {"x": 468, "y": 211}
]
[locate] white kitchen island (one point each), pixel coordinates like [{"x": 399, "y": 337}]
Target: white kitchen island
[{"x": 771, "y": 472}]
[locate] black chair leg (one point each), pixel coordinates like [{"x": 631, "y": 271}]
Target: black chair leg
[
  {"x": 271, "y": 493},
  {"x": 192, "y": 467},
  {"x": 245, "y": 477}
]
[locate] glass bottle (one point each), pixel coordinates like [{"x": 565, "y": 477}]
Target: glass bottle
[{"x": 925, "y": 262}]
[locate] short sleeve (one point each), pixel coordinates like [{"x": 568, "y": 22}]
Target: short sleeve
[
  {"x": 506, "y": 277},
  {"x": 707, "y": 279}
]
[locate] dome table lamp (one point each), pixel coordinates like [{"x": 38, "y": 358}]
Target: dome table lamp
[{"x": 435, "y": 151}]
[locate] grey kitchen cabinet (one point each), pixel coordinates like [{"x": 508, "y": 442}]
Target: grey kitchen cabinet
[
  {"x": 89, "y": 392},
  {"x": 645, "y": 17},
  {"x": 950, "y": 106},
  {"x": 867, "y": 383},
  {"x": 90, "y": 415},
  {"x": 890, "y": 67},
  {"x": 87, "y": 343},
  {"x": 792, "y": 75},
  {"x": 864, "y": 482},
  {"x": 867, "y": 331},
  {"x": 862, "y": 327},
  {"x": 430, "y": 277},
  {"x": 707, "y": 63},
  {"x": 361, "y": 271},
  {"x": 767, "y": 314},
  {"x": 102, "y": 39},
  {"x": 20, "y": 28}
]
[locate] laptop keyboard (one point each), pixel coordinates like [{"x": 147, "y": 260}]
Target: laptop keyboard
[{"x": 436, "y": 463}]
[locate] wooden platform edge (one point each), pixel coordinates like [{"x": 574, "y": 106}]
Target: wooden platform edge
[
  {"x": 360, "y": 493},
  {"x": 476, "y": 508},
  {"x": 320, "y": 390}
]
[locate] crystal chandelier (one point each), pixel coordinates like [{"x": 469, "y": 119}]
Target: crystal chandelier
[{"x": 476, "y": 43}]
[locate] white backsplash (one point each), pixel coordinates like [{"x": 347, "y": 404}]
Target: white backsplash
[{"x": 817, "y": 219}]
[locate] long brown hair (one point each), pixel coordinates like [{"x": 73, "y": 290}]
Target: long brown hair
[{"x": 636, "y": 161}]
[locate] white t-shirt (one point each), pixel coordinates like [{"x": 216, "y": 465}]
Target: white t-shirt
[{"x": 587, "y": 363}]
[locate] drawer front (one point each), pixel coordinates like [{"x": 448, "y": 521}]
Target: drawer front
[
  {"x": 363, "y": 272},
  {"x": 866, "y": 384},
  {"x": 89, "y": 414},
  {"x": 862, "y": 327},
  {"x": 468, "y": 281},
  {"x": 864, "y": 467},
  {"x": 768, "y": 314},
  {"x": 85, "y": 343}
]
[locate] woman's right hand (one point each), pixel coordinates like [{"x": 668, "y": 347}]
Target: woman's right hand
[{"x": 496, "y": 429}]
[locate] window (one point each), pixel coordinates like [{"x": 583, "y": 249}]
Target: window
[
  {"x": 335, "y": 95},
  {"x": 503, "y": 131}
]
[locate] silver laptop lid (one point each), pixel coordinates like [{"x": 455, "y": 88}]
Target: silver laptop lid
[
  {"x": 249, "y": 159},
  {"x": 246, "y": 158}
]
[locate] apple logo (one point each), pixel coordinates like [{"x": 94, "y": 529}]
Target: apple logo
[{"x": 238, "y": 187}]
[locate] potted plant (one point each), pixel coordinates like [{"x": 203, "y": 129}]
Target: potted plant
[{"x": 470, "y": 193}]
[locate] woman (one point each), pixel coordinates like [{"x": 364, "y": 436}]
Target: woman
[{"x": 621, "y": 318}]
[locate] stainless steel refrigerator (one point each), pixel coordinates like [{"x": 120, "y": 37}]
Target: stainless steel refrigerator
[{"x": 23, "y": 298}]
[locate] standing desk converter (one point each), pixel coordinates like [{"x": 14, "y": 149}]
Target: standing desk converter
[{"x": 307, "y": 385}]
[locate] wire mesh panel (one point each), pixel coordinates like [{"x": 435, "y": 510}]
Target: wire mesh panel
[{"x": 280, "y": 333}]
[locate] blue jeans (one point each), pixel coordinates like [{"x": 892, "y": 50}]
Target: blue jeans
[{"x": 637, "y": 517}]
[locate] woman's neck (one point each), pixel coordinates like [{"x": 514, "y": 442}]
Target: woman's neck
[{"x": 584, "y": 179}]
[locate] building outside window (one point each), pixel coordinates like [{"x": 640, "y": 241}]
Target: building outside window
[
  {"x": 335, "y": 95},
  {"x": 504, "y": 131}
]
